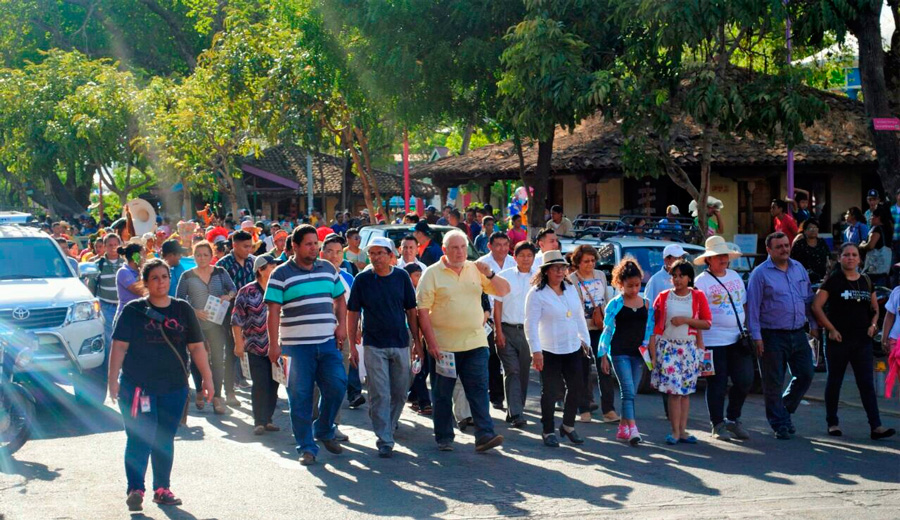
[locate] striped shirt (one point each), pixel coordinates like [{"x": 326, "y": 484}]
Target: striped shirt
[
  {"x": 193, "y": 289},
  {"x": 106, "y": 280},
  {"x": 895, "y": 212},
  {"x": 307, "y": 301}
]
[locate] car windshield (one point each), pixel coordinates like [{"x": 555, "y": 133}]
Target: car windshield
[
  {"x": 31, "y": 257},
  {"x": 650, "y": 258}
]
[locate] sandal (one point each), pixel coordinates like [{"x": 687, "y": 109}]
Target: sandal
[
  {"x": 426, "y": 411},
  {"x": 199, "y": 402},
  {"x": 835, "y": 431},
  {"x": 219, "y": 406}
]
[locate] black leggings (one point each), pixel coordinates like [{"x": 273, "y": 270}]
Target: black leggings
[
  {"x": 855, "y": 350},
  {"x": 264, "y": 394},
  {"x": 562, "y": 374}
]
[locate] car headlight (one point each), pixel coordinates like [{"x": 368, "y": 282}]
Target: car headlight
[{"x": 83, "y": 311}]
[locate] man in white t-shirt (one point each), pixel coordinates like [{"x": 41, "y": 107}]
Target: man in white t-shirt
[
  {"x": 726, "y": 294},
  {"x": 546, "y": 241},
  {"x": 499, "y": 260},
  {"x": 509, "y": 319},
  {"x": 409, "y": 247}
]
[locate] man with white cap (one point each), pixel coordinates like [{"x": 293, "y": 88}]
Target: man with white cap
[
  {"x": 661, "y": 281},
  {"x": 726, "y": 294},
  {"x": 670, "y": 223},
  {"x": 386, "y": 298}
]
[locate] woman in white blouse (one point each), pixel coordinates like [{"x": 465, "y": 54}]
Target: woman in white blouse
[{"x": 556, "y": 330}]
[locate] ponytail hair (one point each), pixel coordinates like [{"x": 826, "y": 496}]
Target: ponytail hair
[
  {"x": 627, "y": 268},
  {"x": 129, "y": 250}
]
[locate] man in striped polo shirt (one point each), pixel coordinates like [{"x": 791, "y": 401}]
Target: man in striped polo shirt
[
  {"x": 105, "y": 290},
  {"x": 307, "y": 313}
]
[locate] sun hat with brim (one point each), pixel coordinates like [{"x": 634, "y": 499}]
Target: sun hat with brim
[
  {"x": 715, "y": 246},
  {"x": 384, "y": 242},
  {"x": 553, "y": 258}
]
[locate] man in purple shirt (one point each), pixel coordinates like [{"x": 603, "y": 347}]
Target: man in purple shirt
[{"x": 778, "y": 300}]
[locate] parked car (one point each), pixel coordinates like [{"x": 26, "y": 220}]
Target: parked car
[
  {"x": 41, "y": 295},
  {"x": 396, "y": 232}
]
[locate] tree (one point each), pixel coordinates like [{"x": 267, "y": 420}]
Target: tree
[
  {"x": 879, "y": 69},
  {"x": 554, "y": 59}
]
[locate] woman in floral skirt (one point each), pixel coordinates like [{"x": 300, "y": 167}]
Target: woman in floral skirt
[{"x": 674, "y": 348}]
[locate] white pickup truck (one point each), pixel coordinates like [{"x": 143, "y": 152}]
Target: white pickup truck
[{"x": 41, "y": 294}]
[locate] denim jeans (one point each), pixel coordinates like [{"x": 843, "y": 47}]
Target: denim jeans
[
  {"x": 782, "y": 350},
  {"x": 472, "y": 371},
  {"x": 354, "y": 385},
  {"x": 108, "y": 311},
  {"x": 387, "y": 378},
  {"x": 313, "y": 365},
  {"x": 217, "y": 344},
  {"x": 855, "y": 350},
  {"x": 729, "y": 362},
  {"x": 150, "y": 435},
  {"x": 629, "y": 370}
]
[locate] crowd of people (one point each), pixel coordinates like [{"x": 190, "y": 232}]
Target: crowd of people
[{"x": 453, "y": 337}]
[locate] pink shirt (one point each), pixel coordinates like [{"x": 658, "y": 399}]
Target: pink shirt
[{"x": 516, "y": 236}]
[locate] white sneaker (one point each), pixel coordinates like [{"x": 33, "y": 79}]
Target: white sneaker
[{"x": 634, "y": 436}]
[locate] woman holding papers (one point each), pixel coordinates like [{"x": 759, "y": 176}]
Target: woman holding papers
[{"x": 209, "y": 289}]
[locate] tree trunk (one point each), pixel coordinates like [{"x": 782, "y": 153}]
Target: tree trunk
[
  {"x": 466, "y": 139},
  {"x": 867, "y": 29},
  {"x": 60, "y": 200},
  {"x": 540, "y": 181}
]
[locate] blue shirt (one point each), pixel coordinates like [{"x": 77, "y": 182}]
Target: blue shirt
[
  {"x": 175, "y": 275},
  {"x": 778, "y": 299},
  {"x": 481, "y": 243},
  {"x": 856, "y": 233},
  {"x": 383, "y": 301},
  {"x": 658, "y": 283}
]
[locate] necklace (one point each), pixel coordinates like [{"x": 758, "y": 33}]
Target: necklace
[{"x": 856, "y": 289}]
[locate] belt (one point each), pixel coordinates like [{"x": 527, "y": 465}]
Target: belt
[
  {"x": 801, "y": 329},
  {"x": 516, "y": 325}
]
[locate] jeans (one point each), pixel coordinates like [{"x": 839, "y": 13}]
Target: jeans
[
  {"x": 150, "y": 435},
  {"x": 354, "y": 385},
  {"x": 472, "y": 371},
  {"x": 233, "y": 372},
  {"x": 108, "y": 311},
  {"x": 387, "y": 378},
  {"x": 607, "y": 382},
  {"x": 264, "y": 395},
  {"x": 495, "y": 374},
  {"x": 557, "y": 369},
  {"x": 729, "y": 361},
  {"x": 784, "y": 349},
  {"x": 516, "y": 359},
  {"x": 629, "y": 370},
  {"x": 855, "y": 350},
  {"x": 313, "y": 365},
  {"x": 216, "y": 342}
]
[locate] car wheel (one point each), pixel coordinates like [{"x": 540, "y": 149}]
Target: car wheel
[{"x": 90, "y": 386}]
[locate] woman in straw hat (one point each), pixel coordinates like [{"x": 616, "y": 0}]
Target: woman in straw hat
[
  {"x": 556, "y": 332},
  {"x": 680, "y": 313},
  {"x": 726, "y": 294}
]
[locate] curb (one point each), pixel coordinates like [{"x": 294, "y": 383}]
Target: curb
[{"x": 889, "y": 413}]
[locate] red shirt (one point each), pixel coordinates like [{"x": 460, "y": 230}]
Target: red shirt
[{"x": 787, "y": 225}]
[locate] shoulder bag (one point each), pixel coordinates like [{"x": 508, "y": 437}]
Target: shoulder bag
[
  {"x": 596, "y": 311},
  {"x": 156, "y": 316},
  {"x": 745, "y": 342}
]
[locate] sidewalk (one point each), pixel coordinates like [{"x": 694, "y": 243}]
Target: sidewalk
[{"x": 850, "y": 394}]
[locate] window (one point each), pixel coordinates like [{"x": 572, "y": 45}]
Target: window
[{"x": 31, "y": 257}]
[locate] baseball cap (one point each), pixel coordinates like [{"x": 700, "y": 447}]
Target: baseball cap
[
  {"x": 170, "y": 247},
  {"x": 673, "y": 209},
  {"x": 262, "y": 261},
  {"x": 431, "y": 208},
  {"x": 422, "y": 227},
  {"x": 384, "y": 242},
  {"x": 873, "y": 194},
  {"x": 674, "y": 250}
]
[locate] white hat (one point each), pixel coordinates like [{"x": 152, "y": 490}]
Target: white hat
[
  {"x": 711, "y": 202},
  {"x": 674, "y": 250},
  {"x": 384, "y": 242},
  {"x": 673, "y": 209},
  {"x": 715, "y": 246}
]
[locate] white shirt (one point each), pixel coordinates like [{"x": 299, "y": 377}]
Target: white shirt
[
  {"x": 893, "y": 305},
  {"x": 539, "y": 259},
  {"x": 724, "y": 330},
  {"x": 508, "y": 262},
  {"x": 402, "y": 263},
  {"x": 678, "y": 306},
  {"x": 514, "y": 302},
  {"x": 555, "y": 323}
]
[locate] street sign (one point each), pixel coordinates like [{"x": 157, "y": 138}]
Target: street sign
[{"x": 886, "y": 124}]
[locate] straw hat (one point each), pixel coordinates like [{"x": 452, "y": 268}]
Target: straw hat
[{"x": 715, "y": 246}]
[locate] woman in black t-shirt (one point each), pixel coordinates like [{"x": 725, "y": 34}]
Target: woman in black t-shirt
[
  {"x": 851, "y": 321},
  {"x": 150, "y": 345}
]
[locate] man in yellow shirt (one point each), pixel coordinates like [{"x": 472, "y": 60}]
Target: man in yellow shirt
[{"x": 451, "y": 319}]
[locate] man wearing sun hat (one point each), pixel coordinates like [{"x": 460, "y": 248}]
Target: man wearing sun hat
[
  {"x": 726, "y": 294},
  {"x": 385, "y": 297}
]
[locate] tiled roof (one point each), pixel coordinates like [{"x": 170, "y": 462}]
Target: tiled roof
[
  {"x": 841, "y": 137},
  {"x": 289, "y": 162}
]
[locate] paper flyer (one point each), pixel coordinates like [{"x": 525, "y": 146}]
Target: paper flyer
[
  {"x": 645, "y": 353},
  {"x": 279, "y": 371},
  {"x": 245, "y": 365},
  {"x": 446, "y": 364},
  {"x": 706, "y": 364},
  {"x": 216, "y": 308}
]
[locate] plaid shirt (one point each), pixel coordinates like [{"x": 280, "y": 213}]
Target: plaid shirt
[
  {"x": 240, "y": 275},
  {"x": 895, "y": 213}
]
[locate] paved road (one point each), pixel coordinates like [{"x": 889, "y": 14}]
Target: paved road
[{"x": 75, "y": 471}]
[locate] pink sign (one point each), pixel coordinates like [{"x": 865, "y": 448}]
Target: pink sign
[{"x": 886, "y": 124}]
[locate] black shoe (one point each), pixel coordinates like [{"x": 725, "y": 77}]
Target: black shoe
[
  {"x": 356, "y": 403},
  {"x": 593, "y": 407},
  {"x": 509, "y": 418},
  {"x": 464, "y": 423},
  {"x": 883, "y": 435},
  {"x": 333, "y": 446},
  {"x": 560, "y": 406},
  {"x": 519, "y": 422},
  {"x": 385, "y": 452},
  {"x": 835, "y": 431},
  {"x": 783, "y": 434},
  {"x": 791, "y": 429},
  {"x": 488, "y": 444},
  {"x": 551, "y": 441},
  {"x": 499, "y": 406},
  {"x": 572, "y": 435}
]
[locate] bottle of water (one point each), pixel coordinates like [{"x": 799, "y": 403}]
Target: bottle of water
[{"x": 417, "y": 367}]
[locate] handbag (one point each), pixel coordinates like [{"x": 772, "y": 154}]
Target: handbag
[
  {"x": 596, "y": 311},
  {"x": 745, "y": 342},
  {"x": 878, "y": 261}
]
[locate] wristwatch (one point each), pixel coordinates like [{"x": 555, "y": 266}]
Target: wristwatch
[{"x": 493, "y": 274}]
